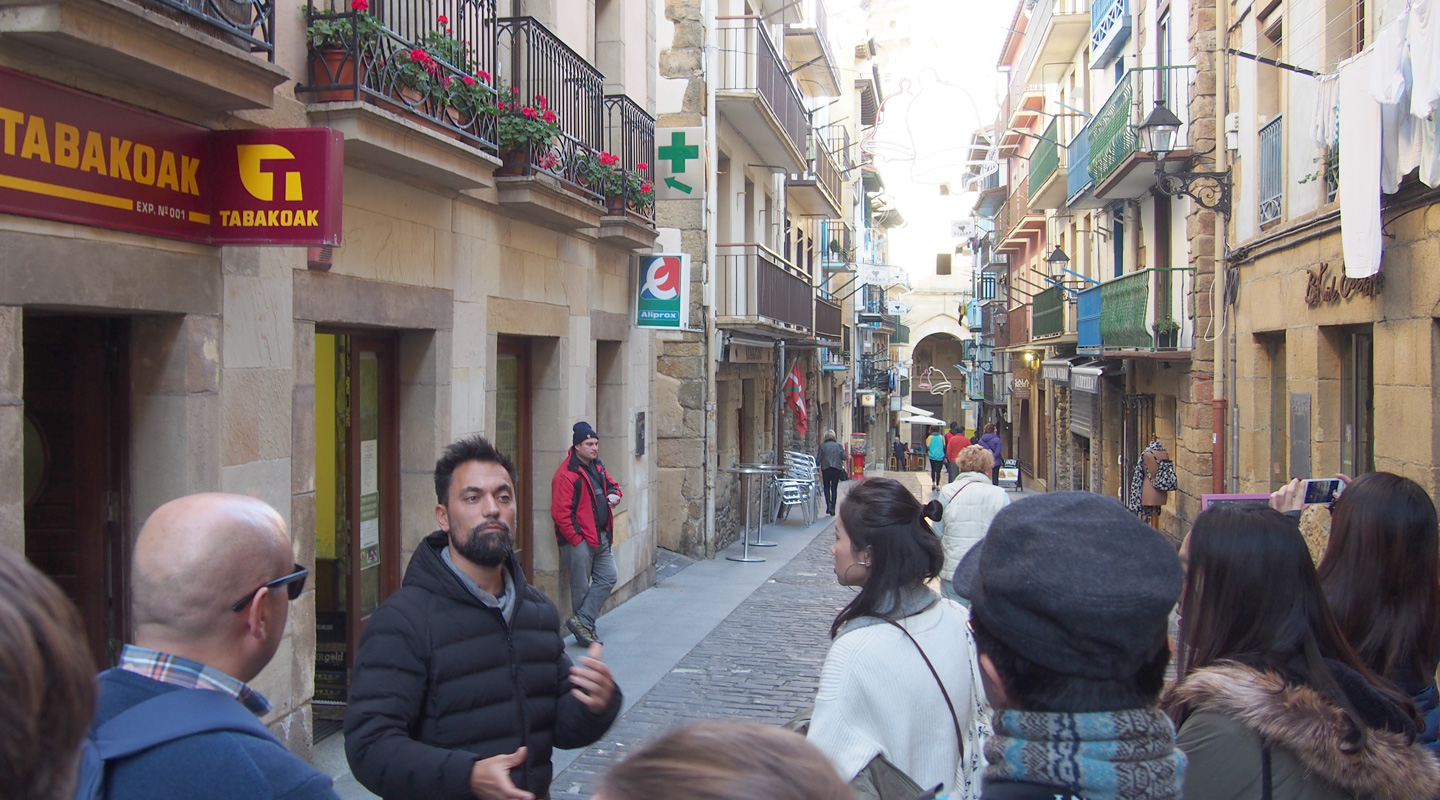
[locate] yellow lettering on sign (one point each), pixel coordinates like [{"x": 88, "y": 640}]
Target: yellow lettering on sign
[
  {"x": 144, "y": 164},
  {"x": 12, "y": 120},
  {"x": 93, "y": 160},
  {"x": 261, "y": 184},
  {"x": 277, "y": 218},
  {"x": 120, "y": 158},
  {"x": 67, "y": 146},
  {"x": 169, "y": 177},
  {"x": 37, "y": 144},
  {"x": 189, "y": 167}
]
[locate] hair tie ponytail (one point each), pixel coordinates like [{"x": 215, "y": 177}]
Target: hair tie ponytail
[{"x": 933, "y": 509}]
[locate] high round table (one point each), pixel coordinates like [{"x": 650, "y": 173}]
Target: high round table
[{"x": 748, "y": 473}]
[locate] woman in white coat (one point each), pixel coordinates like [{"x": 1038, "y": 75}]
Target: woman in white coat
[
  {"x": 900, "y": 680},
  {"x": 971, "y": 502}
]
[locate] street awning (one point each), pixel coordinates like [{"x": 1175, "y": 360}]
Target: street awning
[
  {"x": 1086, "y": 378},
  {"x": 1055, "y": 369}
]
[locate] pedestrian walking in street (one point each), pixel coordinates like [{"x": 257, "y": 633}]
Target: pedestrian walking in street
[
  {"x": 955, "y": 441},
  {"x": 716, "y": 760},
  {"x": 1069, "y": 598},
  {"x": 971, "y": 502},
  {"x": 582, "y": 501},
  {"x": 47, "y": 685},
  {"x": 899, "y": 450},
  {"x": 899, "y": 688},
  {"x": 1272, "y": 701},
  {"x": 1381, "y": 576},
  {"x": 212, "y": 579},
  {"x": 831, "y": 460},
  {"x": 935, "y": 450},
  {"x": 461, "y": 685},
  {"x": 990, "y": 440}
]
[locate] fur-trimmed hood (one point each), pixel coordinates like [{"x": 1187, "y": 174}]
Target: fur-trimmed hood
[{"x": 1301, "y": 720}]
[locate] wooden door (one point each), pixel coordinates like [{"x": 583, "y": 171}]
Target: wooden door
[{"x": 513, "y": 402}]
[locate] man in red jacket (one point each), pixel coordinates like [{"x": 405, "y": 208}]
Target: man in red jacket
[{"x": 582, "y": 496}]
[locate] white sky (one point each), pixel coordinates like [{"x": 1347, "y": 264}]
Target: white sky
[{"x": 939, "y": 89}]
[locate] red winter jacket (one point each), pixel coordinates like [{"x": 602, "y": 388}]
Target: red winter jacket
[{"x": 573, "y": 502}]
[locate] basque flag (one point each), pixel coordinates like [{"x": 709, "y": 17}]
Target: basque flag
[{"x": 794, "y": 388}]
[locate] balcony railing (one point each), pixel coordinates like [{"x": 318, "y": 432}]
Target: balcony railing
[
  {"x": 371, "y": 69},
  {"x": 1137, "y": 311},
  {"x": 248, "y": 24},
  {"x": 1049, "y": 313},
  {"x": 901, "y": 334},
  {"x": 1087, "y": 320},
  {"x": 829, "y": 322},
  {"x": 1114, "y": 130},
  {"x": 1271, "y": 183},
  {"x": 630, "y": 134},
  {"x": 750, "y": 63},
  {"x": 756, "y": 285},
  {"x": 1077, "y": 166},
  {"x": 1045, "y": 158},
  {"x": 871, "y": 301},
  {"x": 824, "y": 168},
  {"x": 1109, "y": 28},
  {"x": 536, "y": 62},
  {"x": 1015, "y": 327},
  {"x": 833, "y": 359},
  {"x": 837, "y": 242}
]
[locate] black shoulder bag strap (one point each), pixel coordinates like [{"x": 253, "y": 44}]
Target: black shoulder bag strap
[{"x": 959, "y": 737}]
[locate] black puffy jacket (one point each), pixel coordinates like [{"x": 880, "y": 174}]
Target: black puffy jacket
[{"x": 440, "y": 682}]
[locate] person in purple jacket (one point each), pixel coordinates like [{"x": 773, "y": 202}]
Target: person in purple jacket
[{"x": 990, "y": 440}]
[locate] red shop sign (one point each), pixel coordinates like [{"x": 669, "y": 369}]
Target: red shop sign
[{"x": 75, "y": 157}]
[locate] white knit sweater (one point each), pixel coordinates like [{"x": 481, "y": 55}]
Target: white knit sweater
[{"x": 877, "y": 697}]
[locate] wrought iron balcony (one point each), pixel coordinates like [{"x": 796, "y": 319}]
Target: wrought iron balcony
[
  {"x": 377, "y": 69},
  {"x": 1077, "y": 171},
  {"x": 1119, "y": 168},
  {"x": 807, "y": 45},
  {"x": 1056, "y": 32},
  {"x": 534, "y": 61},
  {"x": 833, "y": 359},
  {"x": 247, "y": 24},
  {"x": 1143, "y": 311},
  {"x": 1047, "y": 173},
  {"x": 630, "y": 135},
  {"x": 758, "y": 291},
  {"x": 1272, "y": 180},
  {"x": 756, "y": 95},
  {"x": 1012, "y": 327},
  {"x": 837, "y": 240}
]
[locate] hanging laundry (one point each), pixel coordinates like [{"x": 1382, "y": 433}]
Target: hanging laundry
[
  {"x": 1423, "y": 33},
  {"x": 1327, "y": 112},
  {"x": 1428, "y": 136},
  {"x": 1359, "y": 167},
  {"x": 1388, "y": 78}
]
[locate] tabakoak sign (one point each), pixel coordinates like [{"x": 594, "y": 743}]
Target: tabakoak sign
[{"x": 75, "y": 157}]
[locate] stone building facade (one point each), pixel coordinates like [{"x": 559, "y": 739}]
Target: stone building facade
[{"x": 461, "y": 297}]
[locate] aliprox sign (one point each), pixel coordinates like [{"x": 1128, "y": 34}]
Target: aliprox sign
[{"x": 75, "y": 157}]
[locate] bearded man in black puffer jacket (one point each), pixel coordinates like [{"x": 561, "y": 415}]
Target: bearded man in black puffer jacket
[{"x": 462, "y": 687}]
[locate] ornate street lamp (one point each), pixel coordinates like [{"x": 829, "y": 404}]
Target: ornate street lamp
[{"x": 1159, "y": 133}]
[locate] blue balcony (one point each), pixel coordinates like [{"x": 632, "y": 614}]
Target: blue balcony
[
  {"x": 1077, "y": 172},
  {"x": 1087, "y": 321},
  {"x": 1109, "y": 30}
]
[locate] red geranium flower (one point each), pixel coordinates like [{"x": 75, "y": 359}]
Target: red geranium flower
[
  {"x": 515, "y": 90},
  {"x": 609, "y": 160},
  {"x": 500, "y": 104},
  {"x": 443, "y": 21},
  {"x": 549, "y": 116},
  {"x": 529, "y": 112},
  {"x": 483, "y": 75},
  {"x": 540, "y": 100},
  {"x": 467, "y": 80},
  {"x": 359, "y": 5},
  {"x": 645, "y": 188},
  {"x": 419, "y": 55},
  {"x": 642, "y": 166}
]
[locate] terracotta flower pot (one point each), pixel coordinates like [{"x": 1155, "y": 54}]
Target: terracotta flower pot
[
  {"x": 335, "y": 67},
  {"x": 615, "y": 205},
  {"x": 514, "y": 162}
]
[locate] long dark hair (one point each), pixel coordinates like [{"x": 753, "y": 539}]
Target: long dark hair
[
  {"x": 1381, "y": 574},
  {"x": 881, "y": 514},
  {"x": 1252, "y": 596}
]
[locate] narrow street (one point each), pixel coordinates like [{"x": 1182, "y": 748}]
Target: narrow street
[{"x": 718, "y": 639}]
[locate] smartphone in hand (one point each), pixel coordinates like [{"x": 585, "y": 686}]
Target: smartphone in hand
[{"x": 1322, "y": 490}]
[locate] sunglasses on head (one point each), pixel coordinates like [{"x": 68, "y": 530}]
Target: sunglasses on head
[{"x": 294, "y": 584}]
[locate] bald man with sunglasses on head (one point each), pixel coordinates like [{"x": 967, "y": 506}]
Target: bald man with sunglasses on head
[{"x": 212, "y": 579}]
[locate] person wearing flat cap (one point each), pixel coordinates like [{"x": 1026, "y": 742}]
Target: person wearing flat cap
[
  {"x": 582, "y": 495},
  {"x": 1069, "y": 599}
]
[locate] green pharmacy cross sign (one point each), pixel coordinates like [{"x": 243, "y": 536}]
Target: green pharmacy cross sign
[{"x": 680, "y": 163}]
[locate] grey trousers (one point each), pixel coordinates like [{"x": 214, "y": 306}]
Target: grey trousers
[{"x": 592, "y": 576}]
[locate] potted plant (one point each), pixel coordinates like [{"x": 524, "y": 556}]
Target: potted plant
[
  {"x": 640, "y": 191},
  {"x": 471, "y": 97},
  {"x": 336, "y": 42},
  {"x": 600, "y": 172},
  {"x": 523, "y": 128},
  {"x": 1167, "y": 333},
  {"x": 424, "y": 74}
]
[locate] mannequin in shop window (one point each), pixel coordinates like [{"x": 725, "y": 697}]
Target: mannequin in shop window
[{"x": 1151, "y": 483}]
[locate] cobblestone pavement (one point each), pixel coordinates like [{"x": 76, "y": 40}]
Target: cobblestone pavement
[{"x": 762, "y": 664}]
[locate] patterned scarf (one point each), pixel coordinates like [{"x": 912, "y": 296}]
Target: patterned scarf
[
  {"x": 1137, "y": 487},
  {"x": 1118, "y": 755}
]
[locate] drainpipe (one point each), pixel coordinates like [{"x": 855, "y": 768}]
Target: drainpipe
[
  {"x": 712, "y": 341},
  {"x": 1218, "y": 402}
]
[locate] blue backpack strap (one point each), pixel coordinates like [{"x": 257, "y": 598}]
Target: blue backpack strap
[{"x": 174, "y": 715}]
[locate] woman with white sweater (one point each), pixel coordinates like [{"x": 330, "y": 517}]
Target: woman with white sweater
[
  {"x": 971, "y": 501},
  {"x": 900, "y": 680}
]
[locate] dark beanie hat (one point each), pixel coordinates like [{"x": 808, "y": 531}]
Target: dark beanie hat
[
  {"x": 1073, "y": 582},
  {"x": 583, "y": 431}
]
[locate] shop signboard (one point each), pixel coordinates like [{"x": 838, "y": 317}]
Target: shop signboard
[
  {"x": 663, "y": 299},
  {"x": 75, "y": 157}
]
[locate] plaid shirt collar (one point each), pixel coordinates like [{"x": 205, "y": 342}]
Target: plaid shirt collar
[{"x": 178, "y": 671}]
